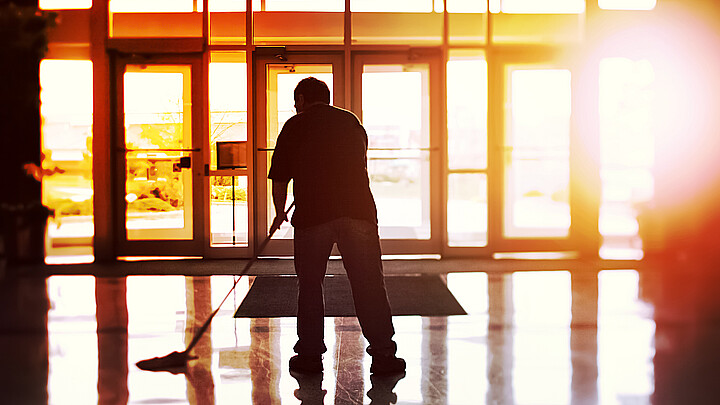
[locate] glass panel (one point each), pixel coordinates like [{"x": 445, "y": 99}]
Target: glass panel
[
  {"x": 281, "y": 83},
  {"x": 538, "y": 28},
  {"x": 227, "y": 28},
  {"x": 64, "y": 4},
  {"x": 228, "y": 214},
  {"x": 156, "y": 19},
  {"x": 67, "y": 181},
  {"x": 537, "y": 139},
  {"x": 627, "y": 4},
  {"x": 158, "y": 120},
  {"x": 397, "y": 28},
  {"x": 462, "y": 6},
  {"x": 228, "y": 102},
  {"x": 627, "y": 153},
  {"x": 158, "y": 6},
  {"x": 467, "y": 210},
  {"x": 467, "y": 28},
  {"x": 545, "y": 6},
  {"x": 230, "y": 5},
  {"x": 283, "y": 28},
  {"x": 417, "y": 6},
  {"x": 395, "y": 113},
  {"x": 305, "y": 5},
  {"x": 467, "y": 110}
]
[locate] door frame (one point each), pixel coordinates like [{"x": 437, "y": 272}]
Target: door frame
[
  {"x": 498, "y": 61},
  {"x": 433, "y": 58},
  {"x": 166, "y": 247},
  {"x": 260, "y": 196}
]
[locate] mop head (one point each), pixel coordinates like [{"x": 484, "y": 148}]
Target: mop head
[{"x": 175, "y": 362}]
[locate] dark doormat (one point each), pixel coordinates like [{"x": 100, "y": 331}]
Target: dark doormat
[{"x": 276, "y": 296}]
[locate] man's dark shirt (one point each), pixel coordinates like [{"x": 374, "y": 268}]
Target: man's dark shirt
[{"x": 324, "y": 151}]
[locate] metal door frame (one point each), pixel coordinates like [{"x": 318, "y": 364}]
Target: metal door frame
[{"x": 191, "y": 247}]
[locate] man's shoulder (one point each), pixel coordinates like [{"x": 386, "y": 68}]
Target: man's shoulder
[
  {"x": 343, "y": 111},
  {"x": 344, "y": 114}
]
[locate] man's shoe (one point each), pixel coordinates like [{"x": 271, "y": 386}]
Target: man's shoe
[
  {"x": 306, "y": 363},
  {"x": 387, "y": 365}
]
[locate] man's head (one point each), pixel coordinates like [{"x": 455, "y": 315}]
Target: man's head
[{"x": 311, "y": 91}]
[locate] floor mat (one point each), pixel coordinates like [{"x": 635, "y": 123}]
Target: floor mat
[{"x": 276, "y": 296}]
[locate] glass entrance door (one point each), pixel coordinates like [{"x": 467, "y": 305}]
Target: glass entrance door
[
  {"x": 276, "y": 81},
  {"x": 396, "y": 97},
  {"x": 532, "y": 190},
  {"x": 158, "y": 164}
]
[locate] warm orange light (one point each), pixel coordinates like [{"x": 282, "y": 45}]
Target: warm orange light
[
  {"x": 64, "y": 4},
  {"x": 67, "y": 187},
  {"x": 542, "y": 7},
  {"x": 627, "y": 4}
]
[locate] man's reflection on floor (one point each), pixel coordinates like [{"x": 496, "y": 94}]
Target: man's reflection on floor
[
  {"x": 381, "y": 391},
  {"x": 311, "y": 392}
]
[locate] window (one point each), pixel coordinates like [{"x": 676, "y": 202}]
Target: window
[
  {"x": 395, "y": 113},
  {"x": 627, "y": 4},
  {"x": 64, "y": 4},
  {"x": 536, "y": 153},
  {"x": 156, "y": 6},
  {"x": 626, "y": 153},
  {"x": 542, "y": 7},
  {"x": 467, "y": 205},
  {"x": 228, "y": 123},
  {"x": 414, "y": 6},
  {"x": 67, "y": 187},
  {"x": 305, "y": 5}
]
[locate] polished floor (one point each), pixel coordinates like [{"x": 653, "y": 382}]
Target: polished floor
[{"x": 545, "y": 337}]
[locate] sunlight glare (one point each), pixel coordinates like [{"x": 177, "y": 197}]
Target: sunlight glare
[
  {"x": 627, "y": 4},
  {"x": 543, "y": 7},
  {"x": 64, "y": 4}
]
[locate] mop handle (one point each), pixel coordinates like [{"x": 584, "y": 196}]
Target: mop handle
[{"x": 249, "y": 264}]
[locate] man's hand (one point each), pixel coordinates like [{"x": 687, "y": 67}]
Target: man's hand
[
  {"x": 278, "y": 221},
  {"x": 279, "y": 194}
]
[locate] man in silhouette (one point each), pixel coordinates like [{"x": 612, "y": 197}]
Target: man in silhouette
[{"x": 323, "y": 149}]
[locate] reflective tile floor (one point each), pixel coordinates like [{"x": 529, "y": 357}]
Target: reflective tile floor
[{"x": 528, "y": 338}]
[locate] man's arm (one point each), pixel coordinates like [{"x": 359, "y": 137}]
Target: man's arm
[{"x": 279, "y": 195}]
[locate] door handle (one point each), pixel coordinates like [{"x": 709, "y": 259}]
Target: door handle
[{"x": 184, "y": 163}]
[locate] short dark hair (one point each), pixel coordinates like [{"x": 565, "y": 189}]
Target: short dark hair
[{"x": 313, "y": 90}]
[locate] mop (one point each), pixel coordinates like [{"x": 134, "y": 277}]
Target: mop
[{"x": 177, "y": 361}]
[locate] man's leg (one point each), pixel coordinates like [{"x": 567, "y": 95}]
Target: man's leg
[
  {"x": 312, "y": 250},
  {"x": 359, "y": 246}
]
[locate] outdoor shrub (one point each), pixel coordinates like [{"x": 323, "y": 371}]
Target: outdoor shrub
[
  {"x": 67, "y": 207},
  {"x": 149, "y": 204},
  {"x": 224, "y": 193},
  {"x": 169, "y": 191}
]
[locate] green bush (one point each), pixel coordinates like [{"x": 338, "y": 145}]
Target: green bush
[
  {"x": 224, "y": 193},
  {"x": 169, "y": 191},
  {"x": 68, "y": 207},
  {"x": 149, "y": 204}
]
